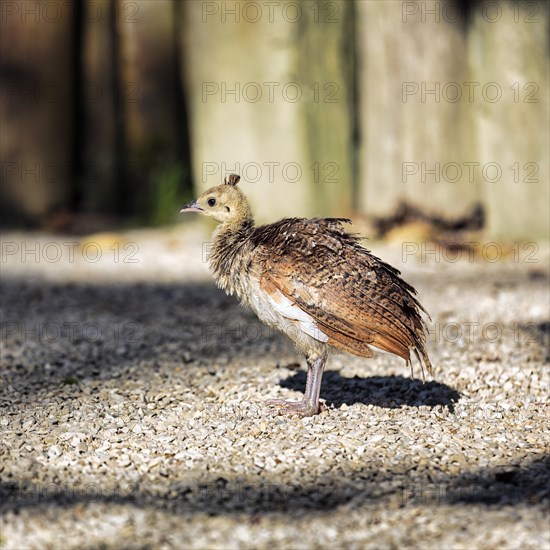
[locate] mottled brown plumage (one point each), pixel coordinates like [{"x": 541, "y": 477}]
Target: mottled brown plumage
[{"x": 314, "y": 282}]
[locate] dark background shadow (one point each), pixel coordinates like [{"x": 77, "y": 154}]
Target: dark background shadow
[
  {"x": 382, "y": 391},
  {"x": 509, "y": 484},
  {"x": 96, "y": 331}
]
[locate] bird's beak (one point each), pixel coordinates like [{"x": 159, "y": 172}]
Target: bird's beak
[{"x": 191, "y": 207}]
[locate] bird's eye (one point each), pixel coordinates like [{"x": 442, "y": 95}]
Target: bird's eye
[{"x": 211, "y": 202}]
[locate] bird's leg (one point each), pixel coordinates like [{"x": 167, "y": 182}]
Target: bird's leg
[{"x": 310, "y": 403}]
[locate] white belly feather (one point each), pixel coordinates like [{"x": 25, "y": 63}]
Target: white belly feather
[{"x": 278, "y": 311}]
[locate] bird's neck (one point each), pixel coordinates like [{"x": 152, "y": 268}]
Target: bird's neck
[
  {"x": 235, "y": 229},
  {"x": 229, "y": 253}
]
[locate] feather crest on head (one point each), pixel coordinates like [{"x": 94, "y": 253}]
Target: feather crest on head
[{"x": 232, "y": 179}]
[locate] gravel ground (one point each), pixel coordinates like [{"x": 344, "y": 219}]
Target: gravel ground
[{"x": 132, "y": 412}]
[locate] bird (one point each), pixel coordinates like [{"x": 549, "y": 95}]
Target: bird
[{"x": 315, "y": 282}]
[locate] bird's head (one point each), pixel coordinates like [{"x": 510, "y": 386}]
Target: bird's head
[{"x": 225, "y": 203}]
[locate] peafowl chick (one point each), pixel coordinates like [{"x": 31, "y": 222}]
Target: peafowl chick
[{"x": 314, "y": 282}]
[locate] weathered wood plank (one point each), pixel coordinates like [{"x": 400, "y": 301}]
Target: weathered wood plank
[
  {"x": 510, "y": 57},
  {"x": 100, "y": 175},
  {"x": 413, "y": 140},
  {"x": 255, "y": 80},
  {"x": 150, "y": 103},
  {"x": 36, "y": 109}
]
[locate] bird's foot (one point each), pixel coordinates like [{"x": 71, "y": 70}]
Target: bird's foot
[{"x": 298, "y": 408}]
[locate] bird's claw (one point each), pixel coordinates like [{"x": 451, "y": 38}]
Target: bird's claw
[{"x": 298, "y": 408}]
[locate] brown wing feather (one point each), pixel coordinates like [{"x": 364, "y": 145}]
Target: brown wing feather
[{"x": 355, "y": 298}]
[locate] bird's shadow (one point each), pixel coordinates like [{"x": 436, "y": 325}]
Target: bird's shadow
[{"x": 389, "y": 392}]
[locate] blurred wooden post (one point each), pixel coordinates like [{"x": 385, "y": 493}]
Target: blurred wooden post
[
  {"x": 326, "y": 66},
  {"x": 150, "y": 101},
  {"x": 414, "y": 141},
  {"x": 99, "y": 171},
  {"x": 267, "y": 92},
  {"x": 510, "y": 60},
  {"x": 36, "y": 109}
]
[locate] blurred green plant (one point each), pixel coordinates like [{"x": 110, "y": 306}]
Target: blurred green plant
[{"x": 167, "y": 194}]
